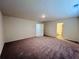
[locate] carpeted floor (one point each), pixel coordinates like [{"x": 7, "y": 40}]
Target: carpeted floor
[{"x": 41, "y": 48}]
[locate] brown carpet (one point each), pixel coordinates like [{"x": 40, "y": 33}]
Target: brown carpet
[{"x": 40, "y": 48}]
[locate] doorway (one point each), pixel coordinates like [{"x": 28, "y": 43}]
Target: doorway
[
  {"x": 59, "y": 34},
  {"x": 39, "y": 29}
]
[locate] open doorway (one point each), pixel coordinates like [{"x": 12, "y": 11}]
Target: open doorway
[
  {"x": 59, "y": 32},
  {"x": 39, "y": 29}
]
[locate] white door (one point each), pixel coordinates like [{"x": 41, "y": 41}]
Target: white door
[{"x": 39, "y": 29}]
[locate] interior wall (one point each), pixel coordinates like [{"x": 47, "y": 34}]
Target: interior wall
[
  {"x": 78, "y": 29},
  {"x": 1, "y": 34},
  {"x": 18, "y": 28},
  {"x": 70, "y": 28},
  {"x": 50, "y": 28}
]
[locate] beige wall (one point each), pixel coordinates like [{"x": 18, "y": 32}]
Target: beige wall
[
  {"x": 50, "y": 28},
  {"x": 17, "y": 28},
  {"x": 78, "y": 29},
  {"x": 70, "y": 28},
  {"x": 1, "y": 34}
]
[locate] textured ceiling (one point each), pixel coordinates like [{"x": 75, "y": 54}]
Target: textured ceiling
[{"x": 33, "y": 9}]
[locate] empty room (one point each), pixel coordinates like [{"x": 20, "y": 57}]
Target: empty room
[{"x": 39, "y": 29}]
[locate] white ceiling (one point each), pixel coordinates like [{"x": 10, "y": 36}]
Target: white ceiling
[{"x": 33, "y": 9}]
